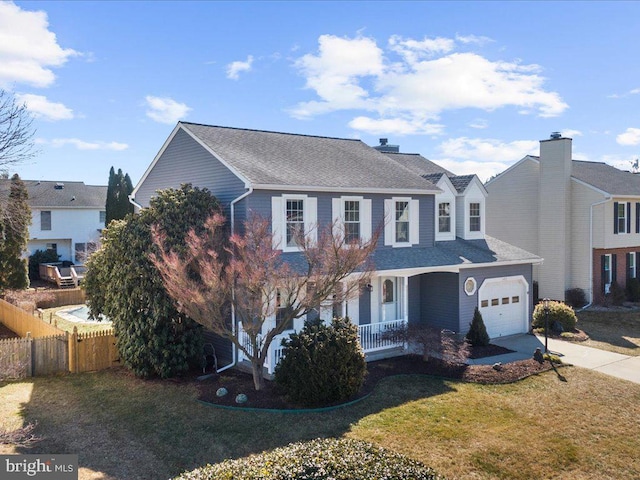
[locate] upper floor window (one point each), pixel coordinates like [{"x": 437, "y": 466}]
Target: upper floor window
[
  {"x": 621, "y": 217},
  {"x": 402, "y": 222},
  {"x": 351, "y": 221},
  {"x": 292, "y": 216},
  {"x": 45, "y": 220},
  {"x": 474, "y": 217},
  {"x": 444, "y": 217},
  {"x": 402, "y": 219},
  {"x": 295, "y": 221}
]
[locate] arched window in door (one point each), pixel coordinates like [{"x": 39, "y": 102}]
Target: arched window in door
[{"x": 387, "y": 291}]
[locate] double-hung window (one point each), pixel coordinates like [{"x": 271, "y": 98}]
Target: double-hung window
[
  {"x": 402, "y": 221},
  {"x": 632, "y": 258},
  {"x": 607, "y": 273},
  {"x": 474, "y": 217},
  {"x": 621, "y": 217},
  {"x": 351, "y": 221},
  {"x": 444, "y": 217},
  {"x": 294, "y": 216}
]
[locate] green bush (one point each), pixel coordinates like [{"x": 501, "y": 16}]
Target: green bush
[
  {"x": 633, "y": 290},
  {"x": 335, "y": 459},
  {"x": 558, "y": 312},
  {"x": 575, "y": 297},
  {"x": 616, "y": 295},
  {"x": 38, "y": 257},
  {"x": 322, "y": 364},
  {"x": 477, "y": 334}
]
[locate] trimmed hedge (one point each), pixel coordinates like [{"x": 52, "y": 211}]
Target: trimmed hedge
[
  {"x": 330, "y": 459},
  {"x": 558, "y": 312},
  {"x": 322, "y": 364}
]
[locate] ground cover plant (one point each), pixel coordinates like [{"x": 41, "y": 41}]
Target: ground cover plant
[{"x": 124, "y": 427}]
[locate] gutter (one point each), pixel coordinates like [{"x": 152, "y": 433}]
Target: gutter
[{"x": 234, "y": 349}]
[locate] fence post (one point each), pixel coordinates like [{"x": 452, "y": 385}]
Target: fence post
[
  {"x": 30, "y": 360},
  {"x": 73, "y": 350}
]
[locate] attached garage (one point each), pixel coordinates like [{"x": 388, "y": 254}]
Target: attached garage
[{"x": 503, "y": 303}]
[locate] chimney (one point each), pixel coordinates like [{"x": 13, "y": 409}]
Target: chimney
[
  {"x": 386, "y": 148},
  {"x": 554, "y": 215}
]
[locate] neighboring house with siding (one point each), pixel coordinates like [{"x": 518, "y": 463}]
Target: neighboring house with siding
[
  {"x": 433, "y": 264},
  {"x": 582, "y": 217},
  {"x": 66, "y": 217}
]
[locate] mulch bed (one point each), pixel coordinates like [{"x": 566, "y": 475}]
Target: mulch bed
[{"x": 237, "y": 382}]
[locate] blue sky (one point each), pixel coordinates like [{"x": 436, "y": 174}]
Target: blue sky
[{"x": 473, "y": 86}]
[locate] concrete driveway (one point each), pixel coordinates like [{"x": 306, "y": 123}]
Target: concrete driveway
[{"x": 614, "y": 364}]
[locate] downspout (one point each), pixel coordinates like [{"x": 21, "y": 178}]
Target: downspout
[
  {"x": 234, "y": 349},
  {"x": 591, "y": 249}
]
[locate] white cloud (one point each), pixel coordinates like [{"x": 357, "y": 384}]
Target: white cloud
[
  {"x": 571, "y": 133},
  {"x": 41, "y": 107},
  {"x": 630, "y": 137},
  {"x": 473, "y": 39},
  {"x": 234, "y": 68},
  {"x": 428, "y": 79},
  {"x": 83, "y": 145},
  {"x": 483, "y": 156},
  {"x": 28, "y": 50},
  {"x": 479, "y": 123},
  {"x": 398, "y": 126},
  {"x": 165, "y": 110}
]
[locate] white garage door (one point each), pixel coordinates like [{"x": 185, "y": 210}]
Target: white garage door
[{"x": 504, "y": 305}]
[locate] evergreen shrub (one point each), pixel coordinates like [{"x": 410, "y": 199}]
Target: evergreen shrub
[
  {"x": 477, "y": 334},
  {"x": 558, "y": 312}
]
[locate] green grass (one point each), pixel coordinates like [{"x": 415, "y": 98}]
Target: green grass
[
  {"x": 126, "y": 428},
  {"x": 50, "y": 315},
  {"x": 614, "y": 330}
]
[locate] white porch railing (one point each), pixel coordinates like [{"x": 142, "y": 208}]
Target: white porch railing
[{"x": 373, "y": 337}]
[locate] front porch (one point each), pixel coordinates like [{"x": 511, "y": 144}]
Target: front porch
[{"x": 374, "y": 339}]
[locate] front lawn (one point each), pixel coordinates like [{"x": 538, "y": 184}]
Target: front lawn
[
  {"x": 126, "y": 428},
  {"x": 615, "y": 330}
]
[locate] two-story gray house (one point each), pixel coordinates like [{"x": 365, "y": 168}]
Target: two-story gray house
[{"x": 433, "y": 264}]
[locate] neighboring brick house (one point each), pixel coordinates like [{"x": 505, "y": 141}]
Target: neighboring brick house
[
  {"x": 582, "y": 218},
  {"x": 433, "y": 264}
]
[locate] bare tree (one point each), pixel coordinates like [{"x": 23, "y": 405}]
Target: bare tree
[
  {"x": 16, "y": 131},
  {"x": 252, "y": 279}
]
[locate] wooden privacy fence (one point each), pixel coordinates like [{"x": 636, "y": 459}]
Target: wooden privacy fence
[
  {"x": 45, "y": 349},
  {"x": 69, "y": 296}
]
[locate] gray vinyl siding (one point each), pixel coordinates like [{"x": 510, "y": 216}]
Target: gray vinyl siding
[
  {"x": 186, "y": 161},
  {"x": 413, "y": 297},
  {"x": 259, "y": 202},
  {"x": 468, "y": 303},
  {"x": 439, "y": 300}
]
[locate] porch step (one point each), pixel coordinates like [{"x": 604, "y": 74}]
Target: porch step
[{"x": 67, "y": 283}]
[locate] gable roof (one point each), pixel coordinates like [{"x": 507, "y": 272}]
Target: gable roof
[
  {"x": 419, "y": 164},
  {"x": 461, "y": 182},
  {"x": 274, "y": 160},
  {"x": 44, "y": 194},
  {"x": 606, "y": 178}
]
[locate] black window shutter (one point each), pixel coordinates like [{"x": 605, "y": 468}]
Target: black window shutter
[
  {"x": 615, "y": 217},
  {"x": 614, "y": 267},
  {"x": 637, "y": 217},
  {"x": 629, "y": 266},
  {"x": 603, "y": 273},
  {"x": 628, "y": 217}
]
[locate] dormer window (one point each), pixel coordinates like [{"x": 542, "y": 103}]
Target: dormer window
[
  {"x": 474, "y": 217},
  {"x": 444, "y": 217}
]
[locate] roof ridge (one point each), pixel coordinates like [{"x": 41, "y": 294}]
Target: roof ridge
[{"x": 271, "y": 131}]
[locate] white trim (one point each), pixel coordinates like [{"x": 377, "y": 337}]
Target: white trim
[
  {"x": 514, "y": 278},
  {"x": 582, "y": 182},
  {"x": 348, "y": 190},
  {"x": 390, "y": 225},
  {"x": 279, "y": 220},
  {"x": 410, "y": 272}
]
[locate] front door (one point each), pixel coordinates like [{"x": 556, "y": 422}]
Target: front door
[{"x": 389, "y": 299}]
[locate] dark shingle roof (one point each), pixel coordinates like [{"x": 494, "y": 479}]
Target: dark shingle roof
[
  {"x": 606, "y": 178},
  {"x": 73, "y": 195},
  {"x": 461, "y": 182},
  {"x": 284, "y": 159}
]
